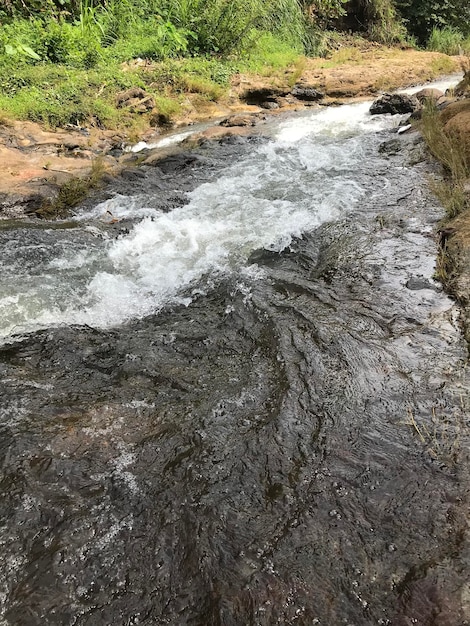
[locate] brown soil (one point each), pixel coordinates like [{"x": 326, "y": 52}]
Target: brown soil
[
  {"x": 369, "y": 71},
  {"x": 458, "y": 261}
]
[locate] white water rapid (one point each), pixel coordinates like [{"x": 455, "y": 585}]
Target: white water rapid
[{"x": 305, "y": 176}]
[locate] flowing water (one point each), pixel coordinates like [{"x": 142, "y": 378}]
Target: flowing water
[{"x": 234, "y": 394}]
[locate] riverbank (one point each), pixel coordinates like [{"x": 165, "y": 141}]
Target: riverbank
[{"x": 35, "y": 162}]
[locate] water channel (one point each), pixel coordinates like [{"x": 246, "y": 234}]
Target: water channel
[{"x": 234, "y": 394}]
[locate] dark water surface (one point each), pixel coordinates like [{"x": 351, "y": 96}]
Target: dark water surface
[{"x": 283, "y": 440}]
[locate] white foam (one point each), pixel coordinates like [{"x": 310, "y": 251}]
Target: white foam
[
  {"x": 169, "y": 140},
  {"x": 342, "y": 121},
  {"x": 282, "y": 189}
]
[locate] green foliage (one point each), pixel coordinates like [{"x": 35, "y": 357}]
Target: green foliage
[
  {"x": 16, "y": 47},
  {"x": 422, "y": 16},
  {"x": 322, "y": 12},
  {"x": 448, "y": 40},
  {"x": 172, "y": 27},
  {"x": 377, "y": 19},
  {"x": 268, "y": 52},
  {"x": 225, "y": 26},
  {"x": 72, "y": 193},
  {"x": 56, "y": 95}
]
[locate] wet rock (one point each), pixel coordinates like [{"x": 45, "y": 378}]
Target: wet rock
[
  {"x": 177, "y": 162},
  {"x": 393, "y": 146},
  {"x": 416, "y": 283},
  {"x": 240, "y": 120},
  {"x": 310, "y": 94},
  {"x": 133, "y": 173},
  {"x": 395, "y": 104},
  {"x": 234, "y": 140},
  {"x": 20, "y": 204}
]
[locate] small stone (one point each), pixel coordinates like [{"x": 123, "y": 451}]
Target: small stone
[{"x": 268, "y": 104}]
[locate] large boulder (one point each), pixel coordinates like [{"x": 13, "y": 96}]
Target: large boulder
[
  {"x": 429, "y": 95},
  {"x": 456, "y": 119},
  {"x": 395, "y": 104},
  {"x": 455, "y": 108}
]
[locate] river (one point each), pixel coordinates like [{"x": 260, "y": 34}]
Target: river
[{"x": 234, "y": 394}]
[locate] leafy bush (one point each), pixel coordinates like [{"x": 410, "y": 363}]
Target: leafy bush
[
  {"x": 376, "y": 19},
  {"x": 421, "y": 16}
]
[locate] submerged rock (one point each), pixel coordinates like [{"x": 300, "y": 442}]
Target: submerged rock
[
  {"x": 416, "y": 283},
  {"x": 392, "y": 146}
]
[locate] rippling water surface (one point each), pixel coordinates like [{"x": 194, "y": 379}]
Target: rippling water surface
[{"x": 242, "y": 402}]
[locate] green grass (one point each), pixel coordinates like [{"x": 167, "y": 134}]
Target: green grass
[
  {"x": 449, "y": 41},
  {"x": 442, "y": 65},
  {"x": 67, "y": 91},
  {"x": 68, "y": 69},
  {"x": 269, "y": 53},
  {"x": 73, "y": 192},
  {"x": 56, "y": 95}
]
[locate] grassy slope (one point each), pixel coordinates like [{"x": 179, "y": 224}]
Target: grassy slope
[{"x": 58, "y": 94}]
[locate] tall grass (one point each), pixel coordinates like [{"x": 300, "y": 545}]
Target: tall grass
[
  {"x": 448, "y": 40},
  {"x": 384, "y": 24},
  {"x": 452, "y": 152},
  {"x": 175, "y": 26}
]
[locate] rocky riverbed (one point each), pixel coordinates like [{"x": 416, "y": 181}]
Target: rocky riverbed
[{"x": 234, "y": 393}]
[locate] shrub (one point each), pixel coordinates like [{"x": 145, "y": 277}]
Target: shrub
[
  {"x": 421, "y": 16},
  {"x": 448, "y": 40}
]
